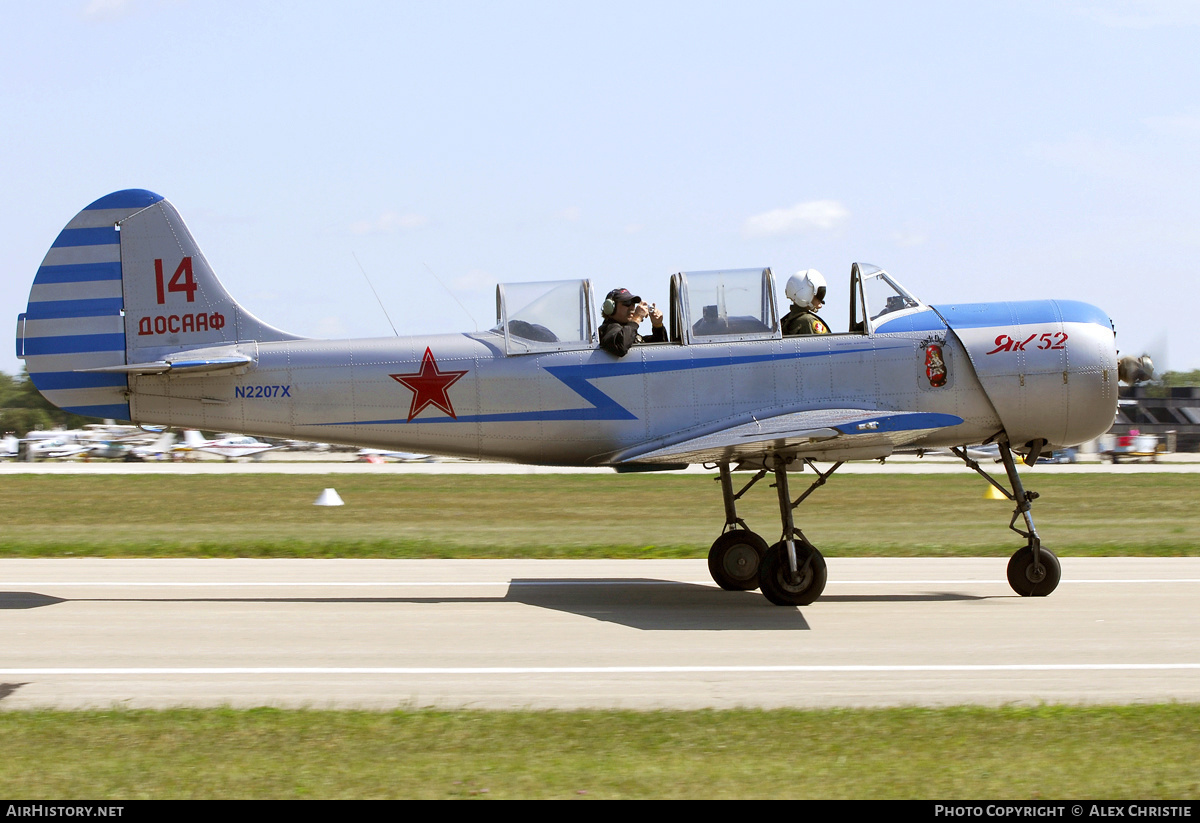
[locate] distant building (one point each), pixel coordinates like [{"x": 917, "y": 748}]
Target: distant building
[{"x": 1174, "y": 418}]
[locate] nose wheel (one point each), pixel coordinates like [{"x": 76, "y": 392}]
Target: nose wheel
[
  {"x": 1032, "y": 576},
  {"x": 1033, "y": 571}
]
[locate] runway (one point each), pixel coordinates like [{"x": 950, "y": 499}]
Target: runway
[
  {"x": 598, "y": 634},
  {"x": 302, "y": 463}
]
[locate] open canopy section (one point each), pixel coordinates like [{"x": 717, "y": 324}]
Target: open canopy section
[
  {"x": 720, "y": 306},
  {"x": 876, "y": 300},
  {"x": 553, "y": 315}
]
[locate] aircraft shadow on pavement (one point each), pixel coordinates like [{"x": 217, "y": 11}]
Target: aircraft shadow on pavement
[
  {"x": 658, "y": 605},
  {"x": 640, "y": 603},
  {"x": 7, "y": 689},
  {"x": 27, "y": 600},
  {"x": 671, "y": 605}
]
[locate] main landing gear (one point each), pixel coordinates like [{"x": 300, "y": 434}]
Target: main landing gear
[
  {"x": 790, "y": 573},
  {"x": 1033, "y": 571}
]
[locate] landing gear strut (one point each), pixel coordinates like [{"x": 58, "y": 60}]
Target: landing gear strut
[
  {"x": 793, "y": 571},
  {"x": 735, "y": 556},
  {"x": 790, "y": 573},
  {"x": 1033, "y": 571}
]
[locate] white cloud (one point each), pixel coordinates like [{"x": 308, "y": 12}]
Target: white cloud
[
  {"x": 1097, "y": 157},
  {"x": 909, "y": 238},
  {"x": 1182, "y": 125},
  {"x": 802, "y": 217},
  {"x": 572, "y": 213},
  {"x": 331, "y": 328},
  {"x": 390, "y": 222},
  {"x": 1140, "y": 14},
  {"x": 475, "y": 280},
  {"x": 107, "y": 9}
]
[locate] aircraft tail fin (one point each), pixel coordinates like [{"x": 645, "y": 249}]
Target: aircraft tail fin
[
  {"x": 193, "y": 439},
  {"x": 124, "y": 283}
]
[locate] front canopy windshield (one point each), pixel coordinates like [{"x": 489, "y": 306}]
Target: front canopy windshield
[
  {"x": 546, "y": 316},
  {"x": 881, "y": 297}
]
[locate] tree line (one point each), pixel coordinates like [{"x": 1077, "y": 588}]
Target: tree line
[{"x": 23, "y": 409}]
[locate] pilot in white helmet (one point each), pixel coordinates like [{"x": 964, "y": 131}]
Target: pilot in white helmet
[{"x": 806, "y": 290}]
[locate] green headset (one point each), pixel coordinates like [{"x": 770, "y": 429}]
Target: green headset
[{"x": 610, "y": 304}]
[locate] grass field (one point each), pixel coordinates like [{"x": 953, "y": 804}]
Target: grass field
[
  {"x": 1052, "y": 753},
  {"x": 576, "y": 516}
]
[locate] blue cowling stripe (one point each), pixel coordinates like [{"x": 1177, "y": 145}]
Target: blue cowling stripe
[
  {"x": 77, "y": 273},
  {"x": 75, "y": 344},
  {"x": 1024, "y": 312}
]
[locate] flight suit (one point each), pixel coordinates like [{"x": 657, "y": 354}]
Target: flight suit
[{"x": 803, "y": 321}]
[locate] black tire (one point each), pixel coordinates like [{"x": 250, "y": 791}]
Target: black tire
[
  {"x": 1030, "y": 581},
  {"x": 775, "y": 575},
  {"x": 734, "y": 559}
]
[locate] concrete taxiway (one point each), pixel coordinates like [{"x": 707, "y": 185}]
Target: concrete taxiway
[{"x": 606, "y": 634}]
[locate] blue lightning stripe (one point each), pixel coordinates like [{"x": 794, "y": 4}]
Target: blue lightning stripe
[
  {"x": 921, "y": 321},
  {"x": 603, "y": 407}
]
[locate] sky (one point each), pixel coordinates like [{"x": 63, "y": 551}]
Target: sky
[{"x": 976, "y": 151}]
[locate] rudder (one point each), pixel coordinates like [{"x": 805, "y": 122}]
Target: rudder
[{"x": 75, "y": 318}]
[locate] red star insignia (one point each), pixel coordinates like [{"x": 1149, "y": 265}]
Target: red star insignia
[{"x": 429, "y": 386}]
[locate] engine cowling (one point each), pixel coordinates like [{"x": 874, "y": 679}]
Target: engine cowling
[{"x": 1049, "y": 367}]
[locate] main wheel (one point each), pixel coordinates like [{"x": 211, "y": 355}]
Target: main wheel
[
  {"x": 734, "y": 558},
  {"x": 1029, "y": 580},
  {"x": 780, "y": 586}
]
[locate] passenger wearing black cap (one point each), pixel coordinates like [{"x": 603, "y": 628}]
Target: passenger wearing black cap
[{"x": 623, "y": 311}]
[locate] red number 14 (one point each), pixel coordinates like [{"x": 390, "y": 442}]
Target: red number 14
[{"x": 182, "y": 280}]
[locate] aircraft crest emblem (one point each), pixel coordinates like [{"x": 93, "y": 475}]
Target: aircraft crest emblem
[{"x": 935, "y": 362}]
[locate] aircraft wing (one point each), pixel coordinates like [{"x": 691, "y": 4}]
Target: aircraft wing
[{"x": 822, "y": 434}]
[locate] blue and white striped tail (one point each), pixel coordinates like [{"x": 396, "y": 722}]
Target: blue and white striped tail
[{"x": 75, "y": 317}]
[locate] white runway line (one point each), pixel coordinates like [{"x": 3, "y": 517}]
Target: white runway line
[
  {"x": 608, "y": 581},
  {"x": 521, "y": 670}
]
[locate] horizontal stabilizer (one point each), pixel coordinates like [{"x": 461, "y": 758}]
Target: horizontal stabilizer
[
  {"x": 851, "y": 434},
  {"x": 194, "y": 367}
]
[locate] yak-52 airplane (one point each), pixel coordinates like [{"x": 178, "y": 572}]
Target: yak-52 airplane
[{"x": 127, "y": 320}]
